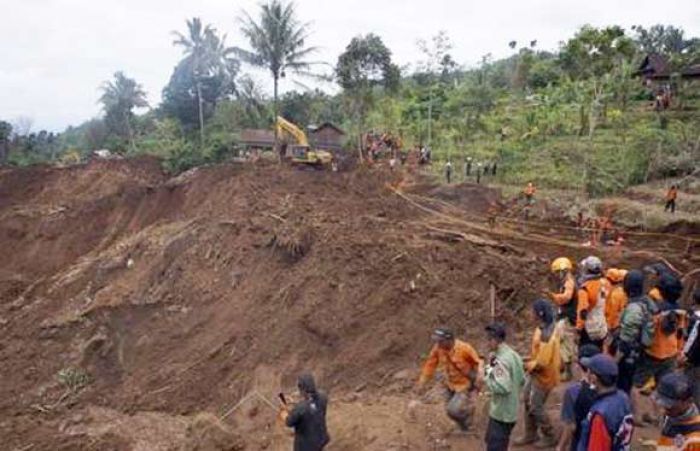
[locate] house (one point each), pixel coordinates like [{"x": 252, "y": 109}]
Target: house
[
  {"x": 326, "y": 136},
  {"x": 260, "y": 139},
  {"x": 656, "y": 67}
]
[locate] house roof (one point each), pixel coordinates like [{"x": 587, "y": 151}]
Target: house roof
[
  {"x": 257, "y": 136},
  {"x": 657, "y": 66},
  {"x": 317, "y": 128}
]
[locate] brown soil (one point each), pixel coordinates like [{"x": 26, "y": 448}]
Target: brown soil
[{"x": 136, "y": 310}]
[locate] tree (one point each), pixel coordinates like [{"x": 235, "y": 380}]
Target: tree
[
  {"x": 207, "y": 66},
  {"x": 437, "y": 65},
  {"x": 278, "y": 43},
  {"x": 119, "y": 98},
  {"x": 365, "y": 65},
  {"x": 595, "y": 52},
  {"x": 5, "y": 134}
]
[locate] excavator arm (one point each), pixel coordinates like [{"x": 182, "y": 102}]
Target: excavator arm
[{"x": 284, "y": 125}]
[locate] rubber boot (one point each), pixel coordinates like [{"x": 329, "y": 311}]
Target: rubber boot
[{"x": 530, "y": 436}]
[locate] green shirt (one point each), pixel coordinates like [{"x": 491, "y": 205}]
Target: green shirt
[{"x": 505, "y": 378}]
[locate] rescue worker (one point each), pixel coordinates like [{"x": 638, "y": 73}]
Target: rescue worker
[
  {"x": 654, "y": 273},
  {"x": 609, "y": 424},
  {"x": 669, "y": 322},
  {"x": 566, "y": 299},
  {"x": 578, "y": 399},
  {"x": 460, "y": 364},
  {"x": 636, "y": 334},
  {"x": 468, "y": 167},
  {"x": 308, "y": 417},
  {"x": 478, "y": 173},
  {"x": 681, "y": 424},
  {"x": 614, "y": 306},
  {"x": 671, "y": 197},
  {"x": 690, "y": 356},
  {"x": 504, "y": 377},
  {"x": 543, "y": 370},
  {"x": 529, "y": 192},
  {"x": 593, "y": 292},
  {"x": 448, "y": 172}
]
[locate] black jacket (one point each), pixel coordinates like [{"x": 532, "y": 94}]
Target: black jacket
[{"x": 308, "y": 418}]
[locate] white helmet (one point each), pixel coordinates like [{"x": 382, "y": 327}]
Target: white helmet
[{"x": 592, "y": 265}]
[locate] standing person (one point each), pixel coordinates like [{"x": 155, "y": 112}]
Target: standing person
[
  {"x": 478, "y": 173},
  {"x": 566, "y": 298},
  {"x": 448, "y": 172},
  {"x": 494, "y": 167},
  {"x": 681, "y": 424},
  {"x": 308, "y": 417},
  {"x": 529, "y": 192},
  {"x": 578, "y": 399},
  {"x": 671, "y": 197},
  {"x": 609, "y": 424},
  {"x": 636, "y": 332},
  {"x": 468, "y": 167},
  {"x": 504, "y": 377},
  {"x": 690, "y": 357},
  {"x": 543, "y": 375},
  {"x": 460, "y": 364},
  {"x": 615, "y": 306},
  {"x": 593, "y": 293}
]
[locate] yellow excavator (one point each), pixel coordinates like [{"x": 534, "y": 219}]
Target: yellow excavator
[{"x": 301, "y": 152}]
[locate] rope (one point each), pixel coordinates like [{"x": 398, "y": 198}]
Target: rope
[{"x": 558, "y": 226}]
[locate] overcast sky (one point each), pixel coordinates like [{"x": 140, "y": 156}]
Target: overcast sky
[{"x": 54, "y": 54}]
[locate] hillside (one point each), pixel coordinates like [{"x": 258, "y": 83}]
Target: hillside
[{"x": 138, "y": 309}]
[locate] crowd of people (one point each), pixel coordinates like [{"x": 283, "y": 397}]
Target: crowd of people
[{"x": 625, "y": 335}]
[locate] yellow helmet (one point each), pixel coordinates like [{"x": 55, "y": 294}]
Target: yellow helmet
[{"x": 562, "y": 264}]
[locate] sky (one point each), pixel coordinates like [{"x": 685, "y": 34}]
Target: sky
[{"x": 55, "y": 54}]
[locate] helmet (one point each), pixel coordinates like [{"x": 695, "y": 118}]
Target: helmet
[
  {"x": 615, "y": 275},
  {"x": 562, "y": 264},
  {"x": 592, "y": 265}
]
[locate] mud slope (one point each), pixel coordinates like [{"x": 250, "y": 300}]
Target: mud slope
[{"x": 130, "y": 303}]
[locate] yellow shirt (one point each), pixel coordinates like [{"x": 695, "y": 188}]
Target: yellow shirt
[
  {"x": 545, "y": 363},
  {"x": 456, "y": 364}
]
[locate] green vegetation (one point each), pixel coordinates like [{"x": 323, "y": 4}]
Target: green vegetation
[{"x": 575, "y": 118}]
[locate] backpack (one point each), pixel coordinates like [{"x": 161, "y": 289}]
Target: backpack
[
  {"x": 595, "y": 324},
  {"x": 647, "y": 330}
]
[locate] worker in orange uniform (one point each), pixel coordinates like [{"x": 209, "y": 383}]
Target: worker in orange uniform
[
  {"x": 461, "y": 365},
  {"x": 565, "y": 298},
  {"x": 671, "y": 197},
  {"x": 529, "y": 192},
  {"x": 615, "y": 305},
  {"x": 543, "y": 369},
  {"x": 681, "y": 424},
  {"x": 593, "y": 293}
]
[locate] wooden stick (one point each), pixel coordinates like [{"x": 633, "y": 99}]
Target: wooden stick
[{"x": 493, "y": 301}]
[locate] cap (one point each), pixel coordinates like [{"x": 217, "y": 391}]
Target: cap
[
  {"x": 443, "y": 333},
  {"x": 496, "y": 330},
  {"x": 601, "y": 365},
  {"x": 587, "y": 351},
  {"x": 673, "y": 388}
]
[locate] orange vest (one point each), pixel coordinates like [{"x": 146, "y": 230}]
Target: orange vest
[
  {"x": 588, "y": 297},
  {"x": 615, "y": 305},
  {"x": 667, "y": 346}
]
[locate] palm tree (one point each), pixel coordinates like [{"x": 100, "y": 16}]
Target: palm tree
[
  {"x": 278, "y": 43},
  {"x": 119, "y": 98},
  {"x": 206, "y": 54}
]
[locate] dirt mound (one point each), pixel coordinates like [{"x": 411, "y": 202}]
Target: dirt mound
[{"x": 155, "y": 299}]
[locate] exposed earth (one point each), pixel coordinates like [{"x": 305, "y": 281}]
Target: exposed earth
[{"x": 142, "y": 312}]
